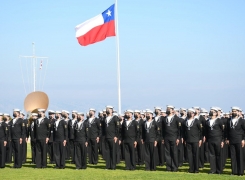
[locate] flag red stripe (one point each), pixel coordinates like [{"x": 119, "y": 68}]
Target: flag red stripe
[{"x": 97, "y": 34}]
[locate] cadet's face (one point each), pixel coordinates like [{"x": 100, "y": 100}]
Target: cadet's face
[
  {"x": 91, "y": 113},
  {"x": 1, "y": 118},
  {"x": 163, "y": 114},
  {"x": 149, "y": 114}
]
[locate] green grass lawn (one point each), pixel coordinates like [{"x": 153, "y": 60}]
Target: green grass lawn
[{"x": 28, "y": 171}]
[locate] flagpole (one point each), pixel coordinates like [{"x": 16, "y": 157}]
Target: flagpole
[{"x": 118, "y": 60}]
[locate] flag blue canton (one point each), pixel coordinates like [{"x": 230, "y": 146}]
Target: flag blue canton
[{"x": 109, "y": 14}]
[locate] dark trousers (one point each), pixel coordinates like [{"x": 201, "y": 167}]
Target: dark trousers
[
  {"x": 180, "y": 153},
  {"x": 41, "y": 153},
  {"x": 118, "y": 153},
  {"x": 103, "y": 150},
  {"x": 2, "y": 154},
  {"x": 59, "y": 154},
  {"x": 224, "y": 154},
  {"x": 129, "y": 152},
  {"x": 193, "y": 156},
  {"x": 185, "y": 154},
  {"x": 215, "y": 158},
  {"x": 17, "y": 153},
  {"x": 150, "y": 161},
  {"x": 33, "y": 151},
  {"x": 9, "y": 152},
  {"x": 237, "y": 165},
  {"x": 139, "y": 151},
  {"x": 159, "y": 154},
  {"x": 67, "y": 150},
  {"x": 201, "y": 156},
  {"x": 122, "y": 151},
  {"x": 171, "y": 155},
  {"x": 72, "y": 150},
  {"x": 24, "y": 150},
  {"x": 92, "y": 151},
  {"x": 51, "y": 152},
  {"x": 110, "y": 147},
  {"x": 206, "y": 153},
  {"x": 80, "y": 155}
]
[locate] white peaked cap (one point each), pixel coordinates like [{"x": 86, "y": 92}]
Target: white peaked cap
[
  {"x": 196, "y": 107},
  {"x": 176, "y": 109},
  {"x": 51, "y": 111},
  {"x": 41, "y": 110},
  {"x": 163, "y": 111},
  {"x": 58, "y": 112},
  {"x": 170, "y": 106},
  {"x": 5, "y": 114},
  {"x": 1, "y": 114},
  {"x": 183, "y": 109},
  {"x": 110, "y": 107},
  {"x": 192, "y": 110},
  {"x": 115, "y": 114},
  {"x": 92, "y": 109},
  {"x": 74, "y": 111},
  {"x": 149, "y": 111},
  {"x": 80, "y": 113},
  {"x": 157, "y": 107},
  {"x": 235, "y": 108},
  {"x": 104, "y": 110},
  {"x": 203, "y": 110},
  {"x": 65, "y": 111},
  {"x": 101, "y": 112},
  {"x": 219, "y": 109},
  {"x": 136, "y": 111},
  {"x": 130, "y": 111},
  {"x": 34, "y": 114},
  {"x": 214, "y": 108},
  {"x": 16, "y": 110}
]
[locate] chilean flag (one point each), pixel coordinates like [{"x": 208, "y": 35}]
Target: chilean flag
[{"x": 97, "y": 28}]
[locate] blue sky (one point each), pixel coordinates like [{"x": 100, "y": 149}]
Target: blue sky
[{"x": 184, "y": 53}]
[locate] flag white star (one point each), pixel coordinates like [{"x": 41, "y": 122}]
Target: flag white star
[{"x": 109, "y": 13}]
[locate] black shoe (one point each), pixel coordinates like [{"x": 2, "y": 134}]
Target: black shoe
[{"x": 196, "y": 171}]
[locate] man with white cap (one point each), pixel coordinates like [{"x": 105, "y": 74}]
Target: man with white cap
[
  {"x": 60, "y": 138},
  {"x": 203, "y": 121},
  {"x": 112, "y": 126},
  {"x": 214, "y": 133},
  {"x": 9, "y": 142},
  {"x": 159, "y": 148},
  {"x": 41, "y": 134},
  {"x": 3, "y": 140},
  {"x": 163, "y": 113},
  {"x": 65, "y": 115},
  {"x": 94, "y": 134},
  {"x": 171, "y": 137},
  {"x": 181, "y": 147},
  {"x": 81, "y": 142},
  {"x": 150, "y": 135},
  {"x": 100, "y": 117},
  {"x": 129, "y": 136},
  {"x": 235, "y": 138},
  {"x": 25, "y": 138},
  {"x": 102, "y": 139},
  {"x": 51, "y": 115},
  {"x": 17, "y": 133},
  {"x": 71, "y": 128},
  {"x": 192, "y": 134},
  {"x": 32, "y": 137},
  {"x": 139, "y": 150}
]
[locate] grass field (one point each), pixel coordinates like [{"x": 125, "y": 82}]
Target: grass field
[{"x": 28, "y": 171}]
